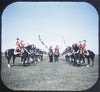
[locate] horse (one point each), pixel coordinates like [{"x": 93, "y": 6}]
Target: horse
[
  {"x": 81, "y": 56},
  {"x": 9, "y": 53},
  {"x": 56, "y": 55},
  {"x": 68, "y": 53},
  {"x": 38, "y": 55},
  {"x": 90, "y": 57},
  {"x": 50, "y": 54},
  {"x": 76, "y": 55}
]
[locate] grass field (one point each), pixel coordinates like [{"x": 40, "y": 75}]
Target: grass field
[{"x": 49, "y": 76}]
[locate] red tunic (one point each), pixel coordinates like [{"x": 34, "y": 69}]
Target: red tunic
[
  {"x": 56, "y": 48},
  {"x": 18, "y": 45},
  {"x": 51, "y": 49},
  {"x": 22, "y": 45},
  {"x": 84, "y": 45},
  {"x": 80, "y": 46}
]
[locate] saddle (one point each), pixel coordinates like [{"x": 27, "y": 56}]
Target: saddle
[
  {"x": 18, "y": 52},
  {"x": 85, "y": 52}
]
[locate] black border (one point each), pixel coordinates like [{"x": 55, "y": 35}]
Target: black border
[{"x": 5, "y": 3}]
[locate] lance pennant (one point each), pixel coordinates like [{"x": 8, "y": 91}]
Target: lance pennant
[{"x": 42, "y": 42}]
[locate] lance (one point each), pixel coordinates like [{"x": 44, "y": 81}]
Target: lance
[
  {"x": 64, "y": 40},
  {"x": 42, "y": 42}
]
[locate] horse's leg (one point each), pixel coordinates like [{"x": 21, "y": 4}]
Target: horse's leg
[
  {"x": 92, "y": 61},
  {"x": 35, "y": 59},
  {"x": 80, "y": 60},
  {"x": 57, "y": 59},
  {"x": 52, "y": 58},
  {"x": 28, "y": 57},
  {"x": 22, "y": 59},
  {"x": 83, "y": 60},
  {"x": 41, "y": 57},
  {"x": 88, "y": 61},
  {"x": 32, "y": 60},
  {"x": 49, "y": 58},
  {"x": 66, "y": 58},
  {"x": 14, "y": 60},
  {"x": 74, "y": 63},
  {"x": 9, "y": 62}
]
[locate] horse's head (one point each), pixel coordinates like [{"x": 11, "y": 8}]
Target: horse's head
[
  {"x": 31, "y": 48},
  {"x": 75, "y": 47}
]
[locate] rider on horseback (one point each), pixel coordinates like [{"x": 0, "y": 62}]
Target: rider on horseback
[
  {"x": 22, "y": 47},
  {"x": 80, "y": 46},
  {"x": 18, "y": 45},
  {"x": 84, "y": 49}
]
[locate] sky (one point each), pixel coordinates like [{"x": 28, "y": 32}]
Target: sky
[{"x": 55, "y": 22}]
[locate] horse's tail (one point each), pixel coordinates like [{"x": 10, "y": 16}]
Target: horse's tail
[{"x": 6, "y": 54}]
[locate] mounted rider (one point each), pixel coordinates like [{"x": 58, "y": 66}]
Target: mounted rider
[
  {"x": 20, "y": 47},
  {"x": 80, "y": 46},
  {"x": 85, "y": 52}
]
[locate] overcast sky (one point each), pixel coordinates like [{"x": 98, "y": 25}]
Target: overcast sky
[{"x": 53, "y": 21}]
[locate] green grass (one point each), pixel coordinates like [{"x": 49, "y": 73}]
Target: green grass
[{"x": 49, "y": 76}]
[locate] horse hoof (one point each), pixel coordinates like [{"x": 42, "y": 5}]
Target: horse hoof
[
  {"x": 26, "y": 61},
  {"x": 87, "y": 65},
  {"x": 22, "y": 62},
  {"x": 9, "y": 66}
]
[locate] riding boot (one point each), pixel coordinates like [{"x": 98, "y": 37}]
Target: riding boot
[{"x": 21, "y": 54}]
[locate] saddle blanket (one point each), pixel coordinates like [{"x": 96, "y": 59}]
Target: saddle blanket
[{"x": 15, "y": 52}]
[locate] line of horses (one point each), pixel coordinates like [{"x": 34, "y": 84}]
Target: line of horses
[
  {"x": 77, "y": 57},
  {"x": 30, "y": 51},
  {"x": 72, "y": 54}
]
